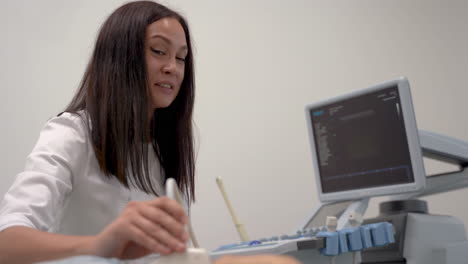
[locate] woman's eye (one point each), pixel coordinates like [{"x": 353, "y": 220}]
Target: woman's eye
[
  {"x": 180, "y": 59},
  {"x": 156, "y": 51}
]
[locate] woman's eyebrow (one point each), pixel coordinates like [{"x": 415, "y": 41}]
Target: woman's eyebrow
[{"x": 167, "y": 40}]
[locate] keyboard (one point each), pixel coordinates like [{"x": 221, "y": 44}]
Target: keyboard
[{"x": 328, "y": 243}]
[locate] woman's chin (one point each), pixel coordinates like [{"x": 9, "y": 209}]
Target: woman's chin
[{"x": 161, "y": 105}]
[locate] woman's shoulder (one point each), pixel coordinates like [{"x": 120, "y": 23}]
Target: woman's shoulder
[
  {"x": 66, "y": 126},
  {"x": 72, "y": 116}
]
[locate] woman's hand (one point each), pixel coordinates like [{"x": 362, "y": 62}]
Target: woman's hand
[{"x": 156, "y": 226}]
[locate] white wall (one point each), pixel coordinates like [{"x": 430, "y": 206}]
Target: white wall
[{"x": 258, "y": 63}]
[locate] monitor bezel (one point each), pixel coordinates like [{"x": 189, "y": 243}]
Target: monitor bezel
[{"x": 412, "y": 137}]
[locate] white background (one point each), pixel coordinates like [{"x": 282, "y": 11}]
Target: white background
[{"x": 257, "y": 63}]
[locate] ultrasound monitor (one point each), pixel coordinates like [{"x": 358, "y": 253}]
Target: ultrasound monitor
[{"x": 366, "y": 144}]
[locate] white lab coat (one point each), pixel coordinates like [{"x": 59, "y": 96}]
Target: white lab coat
[{"x": 62, "y": 189}]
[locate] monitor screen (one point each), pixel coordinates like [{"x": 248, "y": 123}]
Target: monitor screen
[{"x": 361, "y": 143}]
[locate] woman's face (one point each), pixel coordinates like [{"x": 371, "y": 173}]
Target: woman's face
[{"x": 165, "y": 51}]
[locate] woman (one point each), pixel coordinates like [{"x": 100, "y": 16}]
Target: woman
[{"x": 93, "y": 183}]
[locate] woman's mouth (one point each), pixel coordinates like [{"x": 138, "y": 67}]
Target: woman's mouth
[{"x": 165, "y": 87}]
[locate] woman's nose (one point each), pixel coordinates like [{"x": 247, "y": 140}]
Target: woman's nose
[{"x": 170, "y": 66}]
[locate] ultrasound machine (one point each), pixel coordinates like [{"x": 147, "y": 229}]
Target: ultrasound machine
[{"x": 364, "y": 144}]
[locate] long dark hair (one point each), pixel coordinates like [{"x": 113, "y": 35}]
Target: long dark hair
[{"x": 115, "y": 98}]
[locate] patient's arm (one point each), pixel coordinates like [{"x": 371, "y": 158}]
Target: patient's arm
[{"x": 259, "y": 259}]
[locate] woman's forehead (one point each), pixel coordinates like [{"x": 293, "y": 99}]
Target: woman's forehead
[{"x": 168, "y": 30}]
